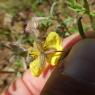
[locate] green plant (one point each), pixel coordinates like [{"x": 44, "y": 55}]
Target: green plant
[{"x": 81, "y": 9}]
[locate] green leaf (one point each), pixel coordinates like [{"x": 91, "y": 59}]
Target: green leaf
[
  {"x": 92, "y": 14},
  {"x": 18, "y": 63},
  {"x": 76, "y": 6},
  {"x": 68, "y": 21},
  {"x": 44, "y": 24}
]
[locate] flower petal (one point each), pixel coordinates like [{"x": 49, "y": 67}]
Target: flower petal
[
  {"x": 34, "y": 51},
  {"x": 53, "y": 58},
  {"x": 37, "y": 66},
  {"x": 53, "y": 41}
]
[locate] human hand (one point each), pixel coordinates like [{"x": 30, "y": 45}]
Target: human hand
[{"x": 29, "y": 85}]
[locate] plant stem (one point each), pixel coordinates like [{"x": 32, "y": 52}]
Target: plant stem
[
  {"x": 80, "y": 27},
  {"x": 86, "y": 6},
  {"x": 52, "y": 51}
]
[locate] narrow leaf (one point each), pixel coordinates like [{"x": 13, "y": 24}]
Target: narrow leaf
[{"x": 80, "y": 27}]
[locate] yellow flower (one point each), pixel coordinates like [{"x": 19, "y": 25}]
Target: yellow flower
[{"x": 53, "y": 43}]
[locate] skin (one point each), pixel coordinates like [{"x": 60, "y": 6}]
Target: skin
[
  {"x": 29, "y": 85},
  {"x": 77, "y": 77}
]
